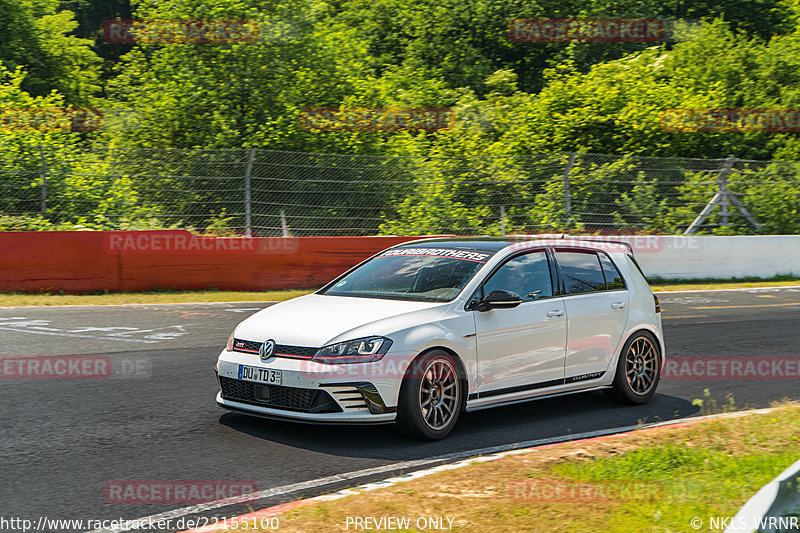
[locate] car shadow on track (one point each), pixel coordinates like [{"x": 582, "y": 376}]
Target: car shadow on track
[{"x": 491, "y": 427}]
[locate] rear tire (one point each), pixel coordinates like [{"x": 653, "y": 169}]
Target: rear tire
[
  {"x": 638, "y": 370},
  {"x": 431, "y": 397}
]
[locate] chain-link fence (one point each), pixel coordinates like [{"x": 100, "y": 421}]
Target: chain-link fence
[{"x": 274, "y": 193}]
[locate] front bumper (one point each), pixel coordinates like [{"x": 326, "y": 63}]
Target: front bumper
[
  {"x": 318, "y": 418},
  {"x": 310, "y": 391}
]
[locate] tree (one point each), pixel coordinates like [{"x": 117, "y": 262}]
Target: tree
[{"x": 36, "y": 36}]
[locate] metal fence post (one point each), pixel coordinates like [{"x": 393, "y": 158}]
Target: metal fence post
[
  {"x": 567, "y": 199},
  {"x": 723, "y": 198},
  {"x": 43, "y": 206},
  {"x": 247, "y": 203},
  {"x": 722, "y": 185},
  {"x": 503, "y": 220},
  {"x": 284, "y": 225}
]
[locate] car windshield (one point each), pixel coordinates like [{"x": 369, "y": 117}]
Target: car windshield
[{"x": 416, "y": 274}]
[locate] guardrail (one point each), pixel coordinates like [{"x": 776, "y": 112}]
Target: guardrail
[
  {"x": 84, "y": 261},
  {"x": 774, "y": 509},
  {"x": 119, "y": 261}
]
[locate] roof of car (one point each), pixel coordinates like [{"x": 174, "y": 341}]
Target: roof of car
[
  {"x": 496, "y": 244},
  {"x": 475, "y": 243}
]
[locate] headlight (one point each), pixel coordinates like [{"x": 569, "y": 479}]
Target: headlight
[
  {"x": 229, "y": 346},
  {"x": 364, "y": 350}
]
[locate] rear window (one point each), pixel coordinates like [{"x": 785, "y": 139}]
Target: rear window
[
  {"x": 638, "y": 267},
  {"x": 581, "y": 271},
  {"x": 614, "y": 279}
]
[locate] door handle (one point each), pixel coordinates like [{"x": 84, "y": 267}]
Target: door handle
[
  {"x": 555, "y": 312},
  {"x": 618, "y": 305}
]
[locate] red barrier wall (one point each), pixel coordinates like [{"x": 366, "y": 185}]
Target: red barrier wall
[{"x": 82, "y": 261}]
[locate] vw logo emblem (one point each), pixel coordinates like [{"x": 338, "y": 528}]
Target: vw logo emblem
[{"x": 267, "y": 349}]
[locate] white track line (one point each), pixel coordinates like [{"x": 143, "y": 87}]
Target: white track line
[
  {"x": 103, "y": 306},
  {"x": 121, "y": 339},
  {"x": 321, "y": 482}
]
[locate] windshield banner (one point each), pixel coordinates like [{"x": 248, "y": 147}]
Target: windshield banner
[{"x": 468, "y": 255}]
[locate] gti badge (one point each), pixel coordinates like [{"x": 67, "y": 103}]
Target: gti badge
[{"x": 267, "y": 350}]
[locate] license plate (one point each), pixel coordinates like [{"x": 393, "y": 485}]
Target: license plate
[{"x": 260, "y": 375}]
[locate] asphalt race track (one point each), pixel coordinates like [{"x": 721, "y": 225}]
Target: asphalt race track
[{"x": 154, "y": 418}]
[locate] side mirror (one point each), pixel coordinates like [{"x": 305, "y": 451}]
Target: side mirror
[{"x": 499, "y": 299}]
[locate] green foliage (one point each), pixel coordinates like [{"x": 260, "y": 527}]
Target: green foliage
[
  {"x": 21, "y": 149},
  {"x": 615, "y": 108},
  {"x": 520, "y": 107},
  {"x": 90, "y": 15},
  {"x": 29, "y": 223},
  {"x": 220, "y": 225},
  {"x": 36, "y": 36},
  {"x": 38, "y": 223},
  {"x": 233, "y": 95}
]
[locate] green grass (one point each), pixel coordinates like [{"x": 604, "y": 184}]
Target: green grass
[
  {"x": 702, "y": 470},
  {"x": 656, "y": 280},
  {"x": 719, "y": 285},
  {"x": 695, "y": 482},
  {"x": 665, "y": 285}
]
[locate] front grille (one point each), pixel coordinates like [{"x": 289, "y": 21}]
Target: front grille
[
  {"x": 281, "y": 350},
  {"x": 240, "y": 345},
  {"x": 280, "y": 397},
  {"x": 294, "y": 351}
]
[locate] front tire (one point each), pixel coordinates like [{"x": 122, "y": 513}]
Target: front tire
[
  {"x": 431, "y": 397},
  {"x": 638, "y": 370}
]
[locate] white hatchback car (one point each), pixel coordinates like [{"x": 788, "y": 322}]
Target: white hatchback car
[{"x": 425, "y": 330}]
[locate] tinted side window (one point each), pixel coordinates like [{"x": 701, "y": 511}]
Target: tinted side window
[
  {"x": 613, "y": 277},
  {"x": 581, "y": 271},
  {"x": 527, "y": 275}
]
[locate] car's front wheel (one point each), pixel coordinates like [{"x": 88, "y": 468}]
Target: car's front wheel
[
  {"x": 431, "y": 397},
  {"x": 638, "y": 369}
]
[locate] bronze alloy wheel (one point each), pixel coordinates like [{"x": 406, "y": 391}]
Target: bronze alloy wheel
[
  {"x": 438, "y": 393},
  {"x": 638, "y": 369},
  {"x": 641, "y": 365},
  {"x": 431, "y": 397}
]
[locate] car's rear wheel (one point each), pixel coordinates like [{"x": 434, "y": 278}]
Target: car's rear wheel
[
  {"x": 431, "y": 397},
  {"x": 638, "y": 369}
]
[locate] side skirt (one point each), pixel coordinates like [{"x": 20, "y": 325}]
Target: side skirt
[{"x": 530, "y": 395}]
